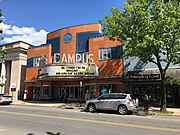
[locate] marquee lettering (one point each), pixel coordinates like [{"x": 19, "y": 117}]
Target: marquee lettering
[{"x": 73, "y": 58}]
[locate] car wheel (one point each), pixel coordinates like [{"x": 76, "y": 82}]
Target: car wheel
[
  {"x": 122, "y": 109},
  {"x": 91, "y": 108}
]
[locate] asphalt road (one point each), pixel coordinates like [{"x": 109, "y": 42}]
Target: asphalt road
[{"x": 26, "y": 120}]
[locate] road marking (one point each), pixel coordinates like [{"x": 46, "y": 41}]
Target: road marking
[{"x": 95, "y": 121}]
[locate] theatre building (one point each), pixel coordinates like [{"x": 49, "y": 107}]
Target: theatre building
[{"x": 78, "y": 62}]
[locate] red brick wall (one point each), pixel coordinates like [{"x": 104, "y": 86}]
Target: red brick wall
[
  {"x": 40, "y": 51},
  {"x": 70, "y": 48},
  {"x": 106, "y": 67},
  {"x": 32, "y": 73}
]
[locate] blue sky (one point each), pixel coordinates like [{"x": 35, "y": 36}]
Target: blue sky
[{"x": 31, "y": 20}]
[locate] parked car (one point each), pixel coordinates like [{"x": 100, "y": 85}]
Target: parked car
[
  {"x": 141, "y": 99},
  {"x": 120, "y": 102},
  {"x": 5, "y": 99}
]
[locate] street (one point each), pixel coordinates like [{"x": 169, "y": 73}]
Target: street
[{"x": 28, "y": 120}]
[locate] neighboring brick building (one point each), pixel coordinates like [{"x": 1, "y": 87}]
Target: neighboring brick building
[{"x": 77, "y": 60}]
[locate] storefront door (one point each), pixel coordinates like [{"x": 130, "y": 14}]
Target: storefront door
[
  {"x": 46, "y": 92},
  {"x": 70, "y": 92},
  {"x": 36, "y": 93}
]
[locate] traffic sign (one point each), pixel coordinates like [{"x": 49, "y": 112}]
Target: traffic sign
[{"x": 13, "y": 85}]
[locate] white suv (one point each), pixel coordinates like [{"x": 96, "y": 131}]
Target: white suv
[
  {"x": 120, "y": 102},
  {"x": 5, "y": 99}
]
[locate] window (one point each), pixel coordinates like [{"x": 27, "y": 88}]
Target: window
[
  {"x": 117, "y": 96},
  {"x": 82, "y": 40},
  {"x": 106, "y": 96},
  {"x": 114, "y": 52},
  {"x": 33, "y": 62},
  {"x": 36, "y": 61},
  {"x": 46, "y": 92},
  {"x": 29, "y": 62},
  {"x": 70, "y": 92},
  {"x": 105, "y": 54},
  {"x": 55, "y": 42},
  {"x": 36, "y": 93}
]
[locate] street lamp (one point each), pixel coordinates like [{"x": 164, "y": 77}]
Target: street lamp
[
  {"x": 80, "y": 91},
  {"x": 2, "y": 83}
]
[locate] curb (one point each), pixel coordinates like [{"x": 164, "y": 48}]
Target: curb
[
  {"x": 66, "y": 106},
  {"x": 62, "y": 106},
  {"x": 175, "y": 115}
]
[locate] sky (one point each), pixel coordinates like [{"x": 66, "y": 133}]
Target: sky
[{"x": 31, "y": 20}]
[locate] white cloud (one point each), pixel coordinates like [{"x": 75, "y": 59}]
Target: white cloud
[
  {"x": 4, "y": 26},
  {"x": 29, "y": 35},
  {"x": 2, "y": 17},
  {"x": 23, "y": 30}
]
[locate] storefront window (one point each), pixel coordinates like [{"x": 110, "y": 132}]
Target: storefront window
[
  {"x": 36, "y": 93},
  {"x": 115, "y": 88},
  {"x": 67, "y": 92},
  {"x": 46, "y": 94},
  {"x": 89, "y": 92},
  {"x": 105, "y": 88},
  {"x": 109, "y": 88},
  {"x": 70, "y": 92},
  {"x": 55, "y": 92},
  {"x": 76, "y": 92},
  {"x": 151, "y": 90},
  {"x": 170, "y": 95}
]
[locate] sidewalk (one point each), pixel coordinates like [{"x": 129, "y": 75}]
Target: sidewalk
[
  {"x": 175, "y": 111},
  {"x": 50, "y": 104}
]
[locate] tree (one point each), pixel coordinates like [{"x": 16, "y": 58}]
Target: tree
[
  {"x": 3, "y": 52},
  {"x": 148, "y": 30}
]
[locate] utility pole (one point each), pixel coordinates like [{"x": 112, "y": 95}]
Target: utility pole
[{"x": 80, "y": 91}]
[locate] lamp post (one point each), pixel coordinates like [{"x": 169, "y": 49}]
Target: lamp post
[
  {"x": 80, "y": 91},
  {"x": 2, "y": 83}
]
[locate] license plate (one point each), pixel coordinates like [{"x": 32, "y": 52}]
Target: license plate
[{"x": 7, "y": 99}]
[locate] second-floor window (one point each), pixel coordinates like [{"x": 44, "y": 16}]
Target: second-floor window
[
  {"x": 109, "y": 53},
  {"x": 105, "y": 54},
  {"x": 36, "y": 61}
]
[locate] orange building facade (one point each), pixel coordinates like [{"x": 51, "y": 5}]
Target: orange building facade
[{"x": 76, "y": 63}]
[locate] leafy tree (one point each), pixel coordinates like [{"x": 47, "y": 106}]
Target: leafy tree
[
  {"x": 148, "y": 30},
  {"x": 3, "y": 52}
]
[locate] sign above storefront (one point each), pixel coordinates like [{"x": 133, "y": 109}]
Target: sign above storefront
[
  {"x": 69, "y": 70},
  {"x": 145, "y": 76}
]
